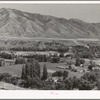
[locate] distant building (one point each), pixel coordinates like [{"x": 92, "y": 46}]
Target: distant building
[
  {"x": 2, "y": 62},
  {"x": 69, "y": 55},
  {"x": 9, "y": 62}
]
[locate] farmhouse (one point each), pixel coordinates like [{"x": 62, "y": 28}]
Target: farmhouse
[
  {"x": 9, "y": 62},
  {"x": 69, "y": 55}
]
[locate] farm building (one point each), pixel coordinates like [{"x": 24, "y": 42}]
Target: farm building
[
  {"x": 69, "y": 55},
  {"x": 9, "y": 62}
]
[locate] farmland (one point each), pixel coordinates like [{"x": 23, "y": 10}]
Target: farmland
[
  {"x": 64, "y": 65},
  {"x": 51, "y": 67}
]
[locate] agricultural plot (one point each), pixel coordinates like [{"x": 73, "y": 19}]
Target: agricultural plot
[{"x": 51, "y": 67}]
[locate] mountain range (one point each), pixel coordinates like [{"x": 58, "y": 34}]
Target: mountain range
[{"x": 16, "y": 23}]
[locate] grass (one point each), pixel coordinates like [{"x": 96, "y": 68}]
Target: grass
[
  {"x": 51, "y": 67},
  {"x": 13, "y": 69}
]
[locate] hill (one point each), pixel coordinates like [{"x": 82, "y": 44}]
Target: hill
[{"x": 16, "y": 23}]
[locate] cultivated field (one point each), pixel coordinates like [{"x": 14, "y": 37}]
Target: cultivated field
[{"x": 51, "y": 67}]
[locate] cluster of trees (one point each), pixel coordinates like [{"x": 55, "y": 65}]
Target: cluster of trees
[
  {"x": 31, "y": 74},
  {"x": 91, "y": 51},
  {"x": 39, "y": 57},
  {"x": 33, "y": 77},
  {"x": 87, "y": 82},
  {"x": 83, "y": 52},
  {"x": 44, "y": 58},
  {"x": 25, "y": 48},
  {"x": 20, "y": 60},
  {"x": 34, "y": 46},
  {"x": 6, "y": 55},
  {"x": 79, "y": 61},
  {"x": 31, "y": 69},
  {"x": 63, "y": 74},
  {"x": 54, "y": 59},
  {"x": 91, "y": 65},
  {"x": 8, "y": 78}
]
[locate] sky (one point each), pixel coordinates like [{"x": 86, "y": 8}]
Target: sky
[{"x": 86, "y": 12}]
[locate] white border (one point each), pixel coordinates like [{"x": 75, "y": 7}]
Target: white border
[
  {"x": 51, "y": 2},
  {"x": 41, "y": 94}
]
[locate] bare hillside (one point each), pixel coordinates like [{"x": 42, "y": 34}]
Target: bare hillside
[{"x": 15, "y": 23}]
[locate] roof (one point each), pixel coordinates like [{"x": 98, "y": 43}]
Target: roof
[{"x": 69, "y": 53}]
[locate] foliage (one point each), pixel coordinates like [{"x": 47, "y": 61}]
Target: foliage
[
  {"x": 38, "y": 57},
  {"x": 91, "y": 77},
  {"x": 32, "y": 69},
  {"x": 65, "y": 74},
  {"x": 6, "y": 55},
  {"x": 60, "y": 86},
  {"x": 14, "y": 80},
  {"x": 92, "y": 64},
  {"x": 58, "y": 73},
  {"x": 61, "y": 55},
  {"x": 79, "y": 61},
  {"x": 98, "y": 84},
  {"x": 5, "y": 77},
  {"x": 55, "y": 59},
  {"x": 0, "y": 63},
  {"x": 45, "y": 73},
  {"x": 19, "y": 60},
  {"x": 85, "y": 85},
  {"x": 48, "y": 85}
]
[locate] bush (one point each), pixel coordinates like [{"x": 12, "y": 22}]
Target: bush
[
  {"x": 45, "y": 73},
  {"x": 65, "y": 74},
  {"x": 5, "y": 77},
  {"x": 14, "y": 80},
  {"x": 19, "y": 60},
  {"x": 58, "y": 73},
  {"x": 85, "y": 85},
  {"x": 60, "y": 86},
  {"x": 55, "y": 59},
  {"x": 6, "y": 55}
]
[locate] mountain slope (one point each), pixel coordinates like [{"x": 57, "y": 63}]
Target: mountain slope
[{"x": 15, "y": 23}]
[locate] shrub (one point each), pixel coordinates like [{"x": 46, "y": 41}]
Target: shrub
[
  {"x": 58, "y": 73},
  {"x": 19, "y": 60}
]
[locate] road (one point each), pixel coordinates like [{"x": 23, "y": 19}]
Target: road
[{"x": 42, "y": 38}]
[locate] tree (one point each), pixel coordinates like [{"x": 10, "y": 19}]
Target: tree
[
  {"x": 85, "y": 85},
  {"x": 14, "y": 80},
  {"x": 65, "y": 74},
  {"x": 75, "y": 83},
  {"x": 60, "y": 86},
  {"x": 82, "y": 61},
  {"x": 68, "y": 84},
  {"x": 77, "y": 62},
  {"x": 6, "y": 77},
  {"x": 19, "y": 60},
  {"x": 58, "y": 73},
  {"x": 0, "y": 63},
  {"x": 92, "y": 64},
  {"x": 98, "y": 84},
  {"x": 91, "y": 77},
  {"x": 23, "y": 72},
  {"x": 61, "y": 55},
  {"x": 32, "y": 69},
  {"x": 45, "y": 73}
]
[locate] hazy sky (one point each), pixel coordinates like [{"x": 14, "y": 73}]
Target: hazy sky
[{"x": 85, "y": 12}]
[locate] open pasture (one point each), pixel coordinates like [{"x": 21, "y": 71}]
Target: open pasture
[{"x": 51, "y": 67}]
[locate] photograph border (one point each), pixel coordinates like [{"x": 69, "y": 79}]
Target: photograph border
[{"x": 49, "y": 94}]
